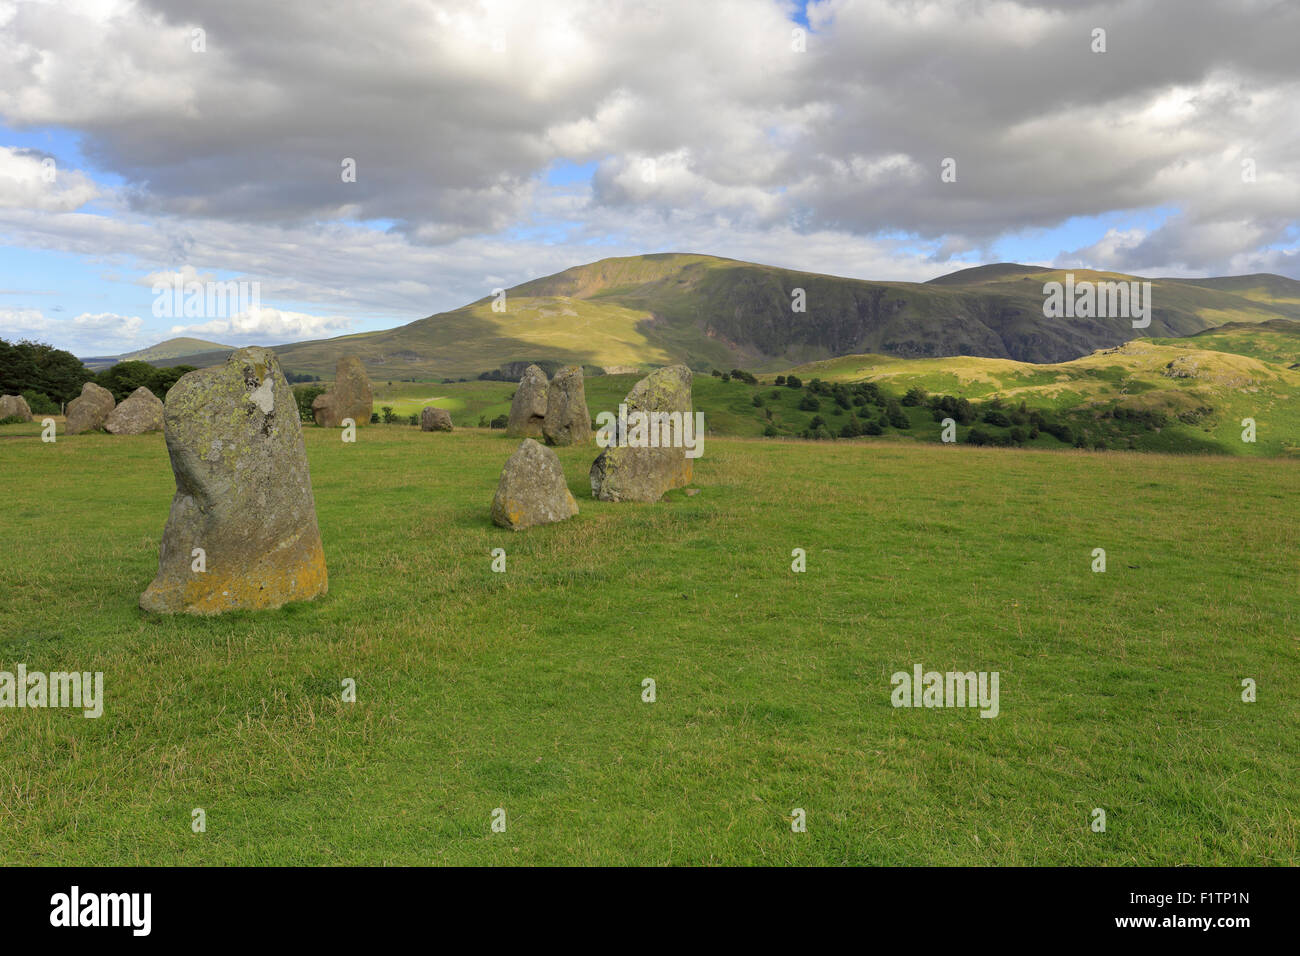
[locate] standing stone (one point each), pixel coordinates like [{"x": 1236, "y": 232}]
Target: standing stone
[
  {"x": 349, "y": 397},
  {"x": 90, "y": 409},
  {"x": 243, "y": 494},
  {"x": 532, "y": 489},
  {"x": 631, "y": 473},
  {"x": 15, "y": 406},
  {"x": 528, "y": 410},
  {"x": 435, "y": 419},
  {"x": 567, "y": 420},
  {"x": 139, "y": 412}
]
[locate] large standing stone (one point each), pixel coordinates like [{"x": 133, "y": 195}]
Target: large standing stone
[
  {"x": 90, "y": 409},
  {"x": 15, "y": 406},
  {"x": 528, "y": 410},
  {"x": 567, "y": 420},
  {"x": 532, "y": 489},
  {"x": 243, "y": 494},
  {"x": 349, "y": 397},
  {"x": 435, "y": 419},
  {"x": 139, "y": 412},
  {"x": 624, "y": 472}
]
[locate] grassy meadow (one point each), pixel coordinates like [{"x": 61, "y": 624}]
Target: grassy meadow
[{"x": 522, "y": 690}]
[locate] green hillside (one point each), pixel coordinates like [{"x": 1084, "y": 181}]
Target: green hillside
[
  {"x": 641, "y": 311},
  {"x": 1191, "y": 394}
]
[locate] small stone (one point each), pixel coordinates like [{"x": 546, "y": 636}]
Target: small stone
[
  {"x": 528, "y": 410},
  {"x": 90, "y": 409},
  {"x": 631, "y": 473},
  {"x": 532, "y": 489},
  {"x": 435, "y": 419},
  {"x": 15, "y": 406},
  {"x": 567, "y": 420},
  {"x": 139, "y": 412},
  {"x": 349, "y": 397}
]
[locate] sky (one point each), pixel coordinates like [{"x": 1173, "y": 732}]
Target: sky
[{"x": 148, "y": 141}]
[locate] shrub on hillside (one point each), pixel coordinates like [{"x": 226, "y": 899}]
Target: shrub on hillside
[
  {"x": 809, "y": 404},
  {"x": 501, "y": 421},
  {"x": 794, "y": 381},
  {"x": 896, "y": 415}
]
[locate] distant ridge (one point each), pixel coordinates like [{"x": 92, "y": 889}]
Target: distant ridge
[
  {"x": 710, "y": 312},
  {"x": 989, "y": 273},
  {"x": 162, "y": 352}
]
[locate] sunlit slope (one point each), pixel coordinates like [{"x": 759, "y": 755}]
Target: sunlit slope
[{"x": 1210, "y": 391}]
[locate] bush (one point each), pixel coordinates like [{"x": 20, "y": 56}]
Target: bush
[
  {"x": 916, "y": 395},
  {"x": 809, "y": 404},
  {"x": 758, "y": 401},
  {"x": 743, "y": 376},
  {"x": 388, "y": 415},
  {"x": 780, "y": 380},
  {"x": 11, "y": 420},
  {"x": 978, "y": 436},
  {"x": 997, "y": 419},
  {"x": 374, "y": 418},
  {"x": 501, "y": 421},
  {"x": 897, "y": 418},
  {"x": 794, "y": 381},
  {"x": 305, "y": 395},
  {"x": 413, "y": 419},
  {"x": 872, "y": 428},
  {"x": 40, "y": 403},
  {"x": 769, "y": 430},
  {"x": 482, "y": 421}
]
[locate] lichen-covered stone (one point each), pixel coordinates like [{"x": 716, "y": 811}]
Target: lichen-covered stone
[
  {"x": 15, "y": 406},
  {"x": 90, "y": 409},
  {"x": 532, "y": 489},
  {"x": 629, "y": 473},
  {"x": 567, "y": 420},
  {"x": 138, "y": 413},
  {"x": 528, "y": 410},
  {"x": 435, "y": 419},
  {"x": 243, "y": 494},
  {"x": 349, "y": 397}
]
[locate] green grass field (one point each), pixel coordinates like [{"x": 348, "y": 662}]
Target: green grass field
[{"x": 522, "y": 690}]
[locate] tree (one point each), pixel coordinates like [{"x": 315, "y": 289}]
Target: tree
[
  {"x": 897, "y": 418},
  {"x": 388, "y": 415},
  {"x": 793, "y": 381},
  {"x": 809, "y": 404},
  {"x": 780, "y": 380},
  {"x": 916, "y": 395},
  {"x": 758, "y": 400},
  {"x": 53, "y": 372}
]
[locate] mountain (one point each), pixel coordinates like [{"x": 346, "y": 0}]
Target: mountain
[
  {"x": 712, "y": 312},
  {"x": 162, "y": 353}
]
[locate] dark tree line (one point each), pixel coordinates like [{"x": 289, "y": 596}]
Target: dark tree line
[{"x": 48, "y": 377}]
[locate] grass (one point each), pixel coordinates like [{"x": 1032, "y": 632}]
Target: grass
[{"x": 522, "y": 690}]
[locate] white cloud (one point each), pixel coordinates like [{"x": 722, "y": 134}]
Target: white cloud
[
  {"x": 32, "y": 180},
  {"x": 86, "y": 334},
  {"x": 267, "y": 326}
]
